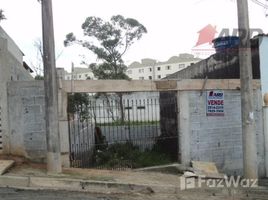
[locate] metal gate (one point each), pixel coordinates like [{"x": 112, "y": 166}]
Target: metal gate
[{"x": 122, "y": 130}]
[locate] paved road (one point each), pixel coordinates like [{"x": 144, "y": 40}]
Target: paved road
[
  {"x": 19, "y": 194},
  {"x": 15, "y": 194}
]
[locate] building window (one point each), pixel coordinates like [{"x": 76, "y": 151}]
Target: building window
[
  {"x": 129, "y": 72},
  {"x": 181, "y": 66},
  {"x": 159, "y": 68},
  {"x": 141, "y": 70},
  {"x": 150, "y": 69},
  {"x": 168, "y": 67},
  {"x": 150, "y": 77},
  {"x": 86, "y": 75},
  {"x": 80, "y": 76},
  {"x": 159, "y": 76},
  {"x": 68, "y": 77},
  {"x": 141, "y": 78},
  {"x": 74, "y": 76}
]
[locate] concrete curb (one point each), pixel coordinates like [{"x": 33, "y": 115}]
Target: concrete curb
[
  {"x": 68, "y": 184},
  {"x": 103, "y": 187}
]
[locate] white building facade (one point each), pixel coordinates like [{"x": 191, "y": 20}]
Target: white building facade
[
  {"x": 79, "y": 73},
  {"x": 150, "y": 69}
]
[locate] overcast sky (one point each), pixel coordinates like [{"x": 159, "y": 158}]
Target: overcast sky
[{"x": 172, "y": 24}]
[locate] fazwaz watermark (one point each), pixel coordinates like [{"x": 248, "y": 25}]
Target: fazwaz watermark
[{"x": 230, "y": 182}]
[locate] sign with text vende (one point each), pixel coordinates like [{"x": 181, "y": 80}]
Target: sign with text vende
[{"x": 215, "y": 103}]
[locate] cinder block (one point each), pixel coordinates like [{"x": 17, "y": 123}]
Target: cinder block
[
  {"x": 39, "y": 100},
  {"x": 34, "y": 109},
  {"x": 220, "y": 135},
  {"x": 34, "y": 127}
]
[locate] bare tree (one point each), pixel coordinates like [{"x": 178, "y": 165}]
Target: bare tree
[
  {"x": 38, "y": 64},
  {"x": 2, "y": 16}
]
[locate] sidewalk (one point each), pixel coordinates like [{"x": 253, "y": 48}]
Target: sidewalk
[
  {"x": 34, "y": 176},
  {"x": 153, "y": 185}
]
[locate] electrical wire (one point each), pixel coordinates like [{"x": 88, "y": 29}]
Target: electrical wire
[{"x": 264, "y": 5}]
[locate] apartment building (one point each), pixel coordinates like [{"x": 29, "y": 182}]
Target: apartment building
[
  {"x": 150, "y": 69},
  {"x": 79, "y": 73}
]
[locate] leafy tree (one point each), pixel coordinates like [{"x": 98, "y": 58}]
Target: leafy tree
[
  {"x": 2, "y": 16},
  {"x": 77, "y": 104},
  {"x": 39, "y": 77},
  {"x": 109, "y": 41}
]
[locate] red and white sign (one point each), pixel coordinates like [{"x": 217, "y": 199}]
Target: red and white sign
[{"x": 215, "y": 103}]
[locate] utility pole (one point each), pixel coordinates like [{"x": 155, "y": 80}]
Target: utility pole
[
  {"x": 250, "y": 163},
  {"x": 51, "y": 90}
]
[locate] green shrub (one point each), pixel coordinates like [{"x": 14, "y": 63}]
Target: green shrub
[{"x": 128, "y": 155}]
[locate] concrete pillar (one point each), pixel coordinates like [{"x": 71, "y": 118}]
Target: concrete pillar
[
  {"x": 265, "y": 125},
  {"x": 51, "y": 90},
  {"x": 63, "y": 120},
  {"x": 250, "y": 166},
  {"x": 184, "y": 127}
]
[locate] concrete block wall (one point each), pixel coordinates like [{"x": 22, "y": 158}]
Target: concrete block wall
[
  {"x": 26, "y": 108},
  {"x": 219, "y": 139},
  {"x": 26, "y": 116},
  {"x": 216, "y": 139},
  {"x": 11, "y": 69},
  {"x": 1, "y": 131}
]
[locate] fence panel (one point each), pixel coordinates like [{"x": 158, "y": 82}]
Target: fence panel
[{"x": 122, "y": 130}]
